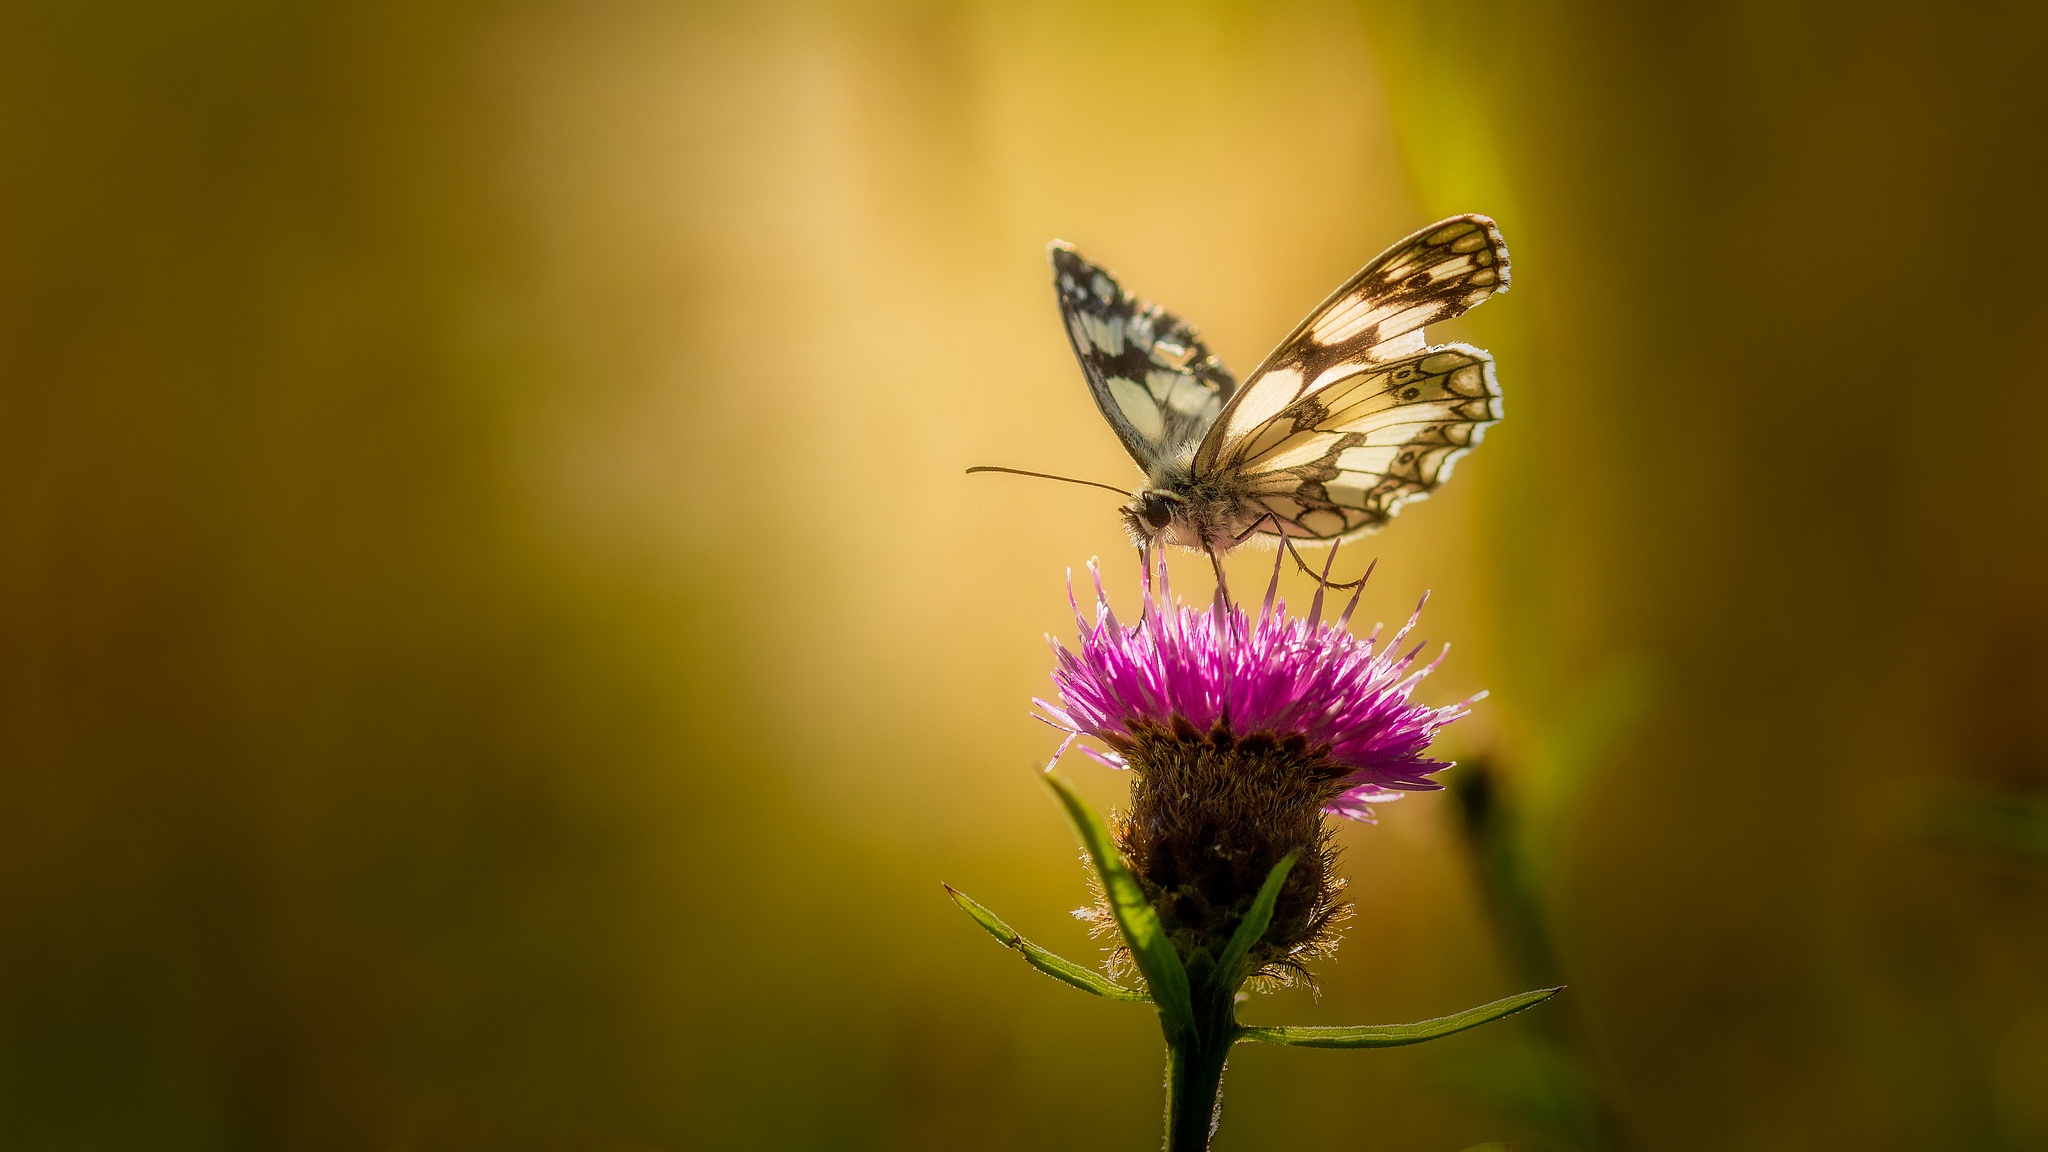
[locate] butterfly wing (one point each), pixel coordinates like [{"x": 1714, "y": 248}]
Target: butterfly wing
[
  {"x": 1377, "y": 317},
  {"x": 1353, "y": 416},
  {"x": 1344, "y": 460},
  {"x": 1157, "y": 384}
]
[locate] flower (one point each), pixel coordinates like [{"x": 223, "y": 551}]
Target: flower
[
  {"x": 1344, "y": 699},
  {"x": 1242, "y": 733}
]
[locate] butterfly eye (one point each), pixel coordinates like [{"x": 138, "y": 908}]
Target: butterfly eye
[{"x": 1158, "y": 513}]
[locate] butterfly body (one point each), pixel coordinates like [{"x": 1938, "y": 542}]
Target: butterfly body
[
  {"x": 1352, "y": 416},
  {"x": 1211, "y": 513}
]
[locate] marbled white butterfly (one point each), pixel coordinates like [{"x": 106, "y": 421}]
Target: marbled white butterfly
[{"x": 1351, "y": 417}]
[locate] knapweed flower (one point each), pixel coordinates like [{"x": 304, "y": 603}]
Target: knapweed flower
[{"x": 1241, "y": 733}]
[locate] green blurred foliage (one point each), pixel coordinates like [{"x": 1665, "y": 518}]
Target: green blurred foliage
[{"x": 496, "y": 651}]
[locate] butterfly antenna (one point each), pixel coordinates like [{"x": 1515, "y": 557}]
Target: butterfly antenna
[{"x": 1048, "y": 476}]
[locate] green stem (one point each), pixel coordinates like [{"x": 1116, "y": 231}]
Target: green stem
[
  {"x": 1194, "y": 1088},
  {"x": 1194, "y": 1069}
]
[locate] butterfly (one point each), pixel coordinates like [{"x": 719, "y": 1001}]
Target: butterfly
[{"x": 1351, "y": 417}]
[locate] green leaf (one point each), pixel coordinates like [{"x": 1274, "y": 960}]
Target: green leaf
[
  {"x": 1254, "y": 924},
  {"x": 1059, "y": 968},
  {"x": 1164, "y": 975},
  {"x": 1395, "y": 1035}
]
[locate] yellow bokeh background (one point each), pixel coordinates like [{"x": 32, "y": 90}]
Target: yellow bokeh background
[{"x": 497, "y": 649}]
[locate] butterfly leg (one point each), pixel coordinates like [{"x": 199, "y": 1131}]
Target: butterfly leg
[
  {"x": 1324, "y": 576},
  {"x": 1287, "y": 542},
  {"x": 1145, "y": 579},
  {"x": 1279, "y": 530},
  {"x": 1216, "y": 562}
]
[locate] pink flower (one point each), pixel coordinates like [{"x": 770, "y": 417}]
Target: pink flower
[{"x": 1343, "y": 701}]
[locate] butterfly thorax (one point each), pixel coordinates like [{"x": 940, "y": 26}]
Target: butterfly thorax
[{"x": 1210, "y": 513}]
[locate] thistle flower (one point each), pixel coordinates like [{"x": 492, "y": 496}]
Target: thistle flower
[
  {"x": 1343, "y": 698},
  {"x": 1242, "y": 732}
]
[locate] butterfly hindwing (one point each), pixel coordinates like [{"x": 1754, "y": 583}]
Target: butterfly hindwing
[
  {"x": 1345, "y": 459},
  {"x": 1376, "y": 317},
  {"x": 1157, "y": 384}
]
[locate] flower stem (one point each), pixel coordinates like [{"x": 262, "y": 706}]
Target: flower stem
[
  {"x": 1194, "y": 1087},
  {"x": 1194, "y": 1070}
]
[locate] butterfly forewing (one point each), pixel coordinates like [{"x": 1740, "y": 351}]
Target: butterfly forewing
[
  {"x": 1375, "y": 318},
  {"x": 1157, "y": 384}
]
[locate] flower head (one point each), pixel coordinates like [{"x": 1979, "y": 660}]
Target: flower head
[
  {"x": 1341, "y": 700},
  {"x": 1242, "y": 732}
]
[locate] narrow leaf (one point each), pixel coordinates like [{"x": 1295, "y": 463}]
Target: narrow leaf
[
  {"x": 1059, "y": 968},
  {"x": 1164, "y": 975},
  {"x": 1395, "y": 1035},
  {"x": 1254, "y": 924}
]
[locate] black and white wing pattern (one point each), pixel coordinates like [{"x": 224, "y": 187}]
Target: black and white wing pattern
[
  {"x": 1347, "y": 458},
  {"x": 1353, "y": 415},
  {"x": 1376, "y": 317},
  {"x": 1157, "y": 384}
]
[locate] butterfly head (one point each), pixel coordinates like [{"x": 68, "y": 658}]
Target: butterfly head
[{"x": 1151, "y": 513}]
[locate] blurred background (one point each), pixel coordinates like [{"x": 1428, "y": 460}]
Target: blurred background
[{"x": 497, "y": 650}]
